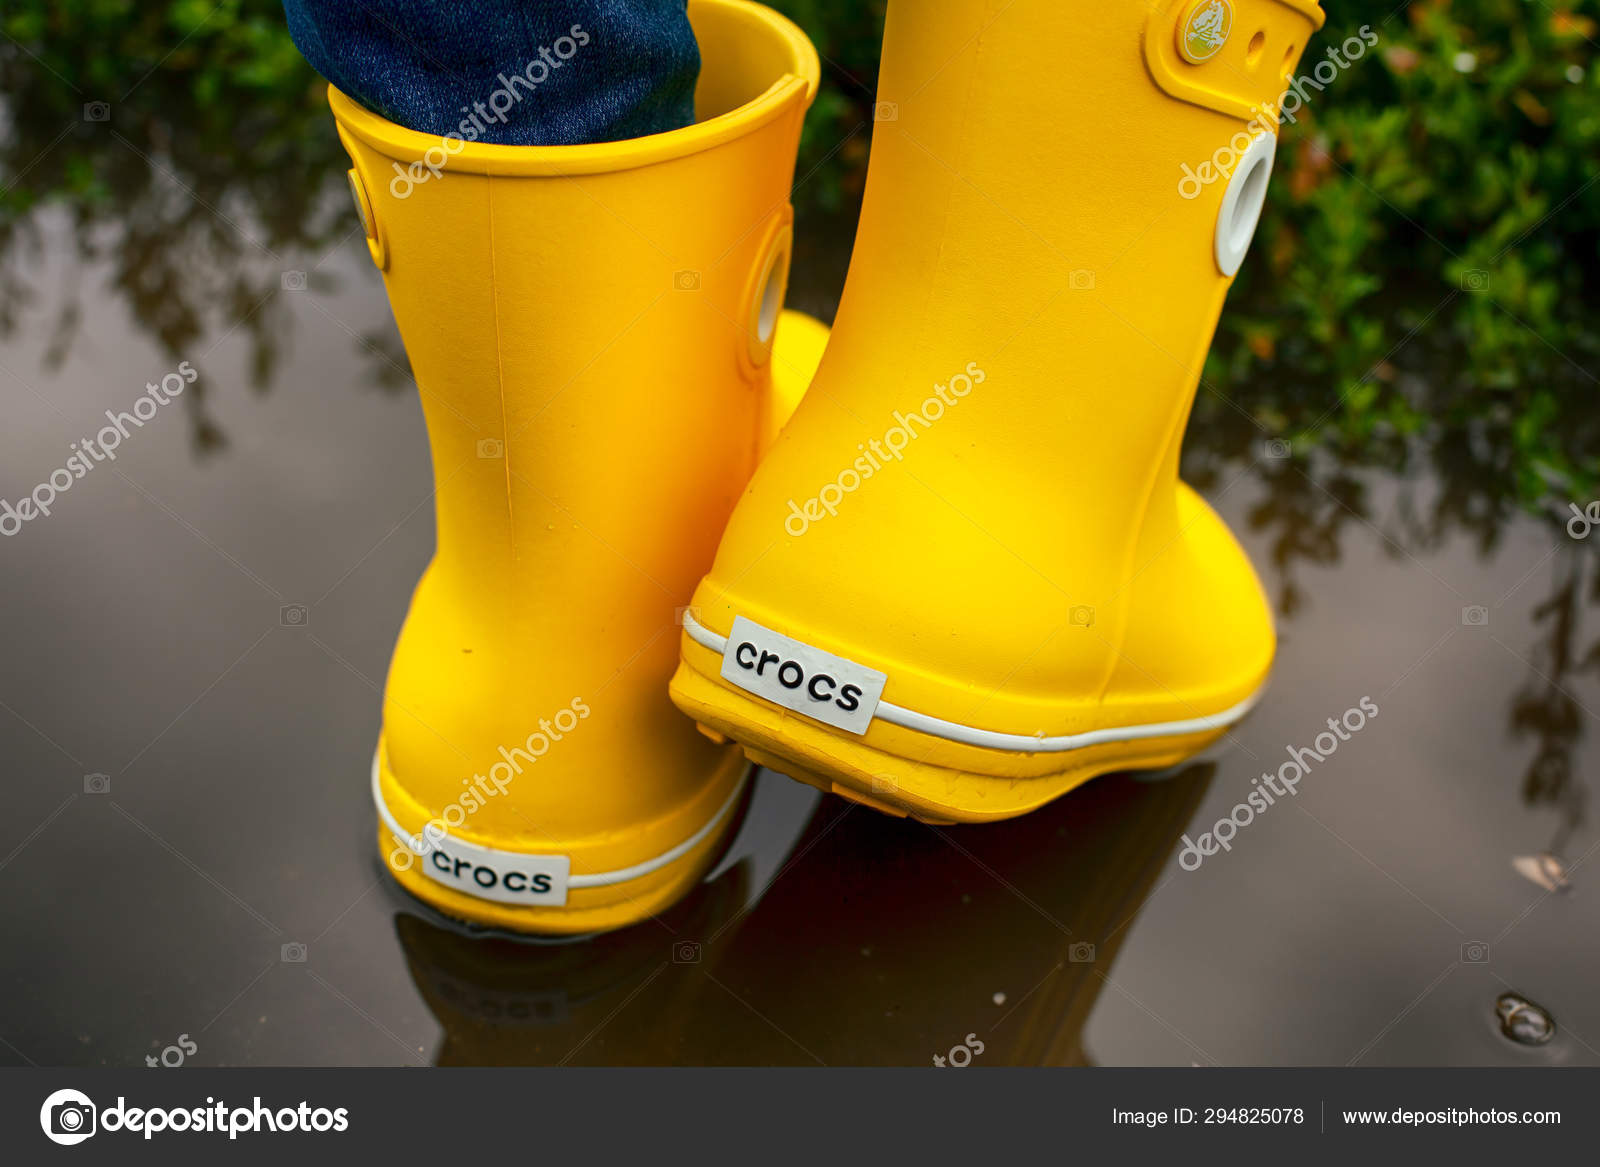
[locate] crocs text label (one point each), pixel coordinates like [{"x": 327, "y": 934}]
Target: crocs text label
[
  {"x": 790, "y": 673},
  {"x": 506, "y": 877}
]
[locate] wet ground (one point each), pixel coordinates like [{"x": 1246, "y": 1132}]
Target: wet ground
[{"x": 186, "y": 856}]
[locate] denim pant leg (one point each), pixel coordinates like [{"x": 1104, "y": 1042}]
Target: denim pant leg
[{"x": 518, "y": 72}]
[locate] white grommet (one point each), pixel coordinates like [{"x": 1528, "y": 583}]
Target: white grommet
[
  {"x": 1242, "y": 202},
  {"x": 764, "y": 291},
  {"x": 771, "y": 300}
]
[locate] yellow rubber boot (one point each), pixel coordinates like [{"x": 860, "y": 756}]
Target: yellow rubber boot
[
  {"x": 592, "y": 331},
  {"x": 967, "y": 577}
]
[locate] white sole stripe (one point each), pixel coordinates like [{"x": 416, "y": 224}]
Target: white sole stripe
[
  {"x": 419, "y": 845},
  {"x": 1017, "y": 742}
]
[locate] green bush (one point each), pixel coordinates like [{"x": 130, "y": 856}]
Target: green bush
[{"x": 1425, "y": 278}]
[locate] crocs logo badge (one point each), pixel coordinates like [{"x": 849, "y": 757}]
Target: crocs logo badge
[
  {"x": 470, "y": 875},
  {"x": 1205, "y": 30},
  {"x": 790, "y": 673},
  {"x": 506, "y": 877}
]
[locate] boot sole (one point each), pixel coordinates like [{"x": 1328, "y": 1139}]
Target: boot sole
[
  {"x": 935, "y": 779},
  {"x": 596, "y": 901}
]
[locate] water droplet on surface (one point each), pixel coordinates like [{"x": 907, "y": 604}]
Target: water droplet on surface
[{"x": 1522, "y": 1021}]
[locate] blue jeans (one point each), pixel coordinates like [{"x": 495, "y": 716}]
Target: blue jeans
[{"x": 516, "y": 72}]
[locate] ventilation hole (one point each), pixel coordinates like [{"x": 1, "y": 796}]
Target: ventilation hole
[
  {"x": 1288, "y": 60},
  {"x": 1248, "y": 208},
  {"x": 1252, "y": 55},
  {"x": 771, "y": 300}
]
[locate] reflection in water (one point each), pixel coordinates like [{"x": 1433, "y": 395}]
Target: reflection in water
[
  {"x": 504, "y": 1001},
  {"x": 1545, "y": 709},
  {"x": 1544, "y": 869},
  {"x": 190, "y": 176},
  {"x": 1311, "y": 502},
  {"x": 864, "y": 949}
]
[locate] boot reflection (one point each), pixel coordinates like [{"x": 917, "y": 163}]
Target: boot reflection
[
  {"x": 889, "y": 942},
  {"x": 612, "y": 998},
  {"x": 511, "y": 1001},
  {"x": 878, "y": 941}
]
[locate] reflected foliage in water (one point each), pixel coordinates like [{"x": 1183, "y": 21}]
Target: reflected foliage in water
[{"x": 190, "y": 149}]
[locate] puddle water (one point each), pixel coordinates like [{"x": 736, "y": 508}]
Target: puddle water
[{"x": 197, "y": 633}]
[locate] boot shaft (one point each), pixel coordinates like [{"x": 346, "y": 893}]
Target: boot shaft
[
  {"x": 592, "y": 316},
  {"x": 1027, "y": 210}
]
